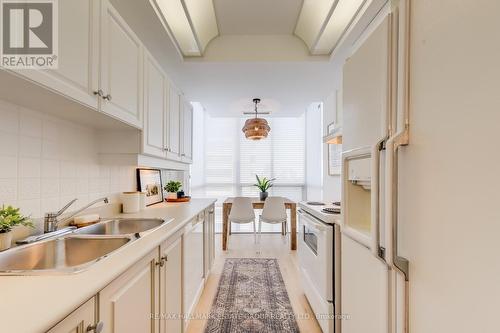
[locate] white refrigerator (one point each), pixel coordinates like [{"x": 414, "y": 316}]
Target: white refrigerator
[{"x": 374, "y": 278}]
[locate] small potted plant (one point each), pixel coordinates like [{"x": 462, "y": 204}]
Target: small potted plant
[
  {"x": 264, "y": 184},
  {"x": 172, "y": 188},
  {"x": 9, "y": 218}
]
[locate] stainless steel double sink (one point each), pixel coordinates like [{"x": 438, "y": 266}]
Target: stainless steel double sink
[{"x": 76, "y": 251}]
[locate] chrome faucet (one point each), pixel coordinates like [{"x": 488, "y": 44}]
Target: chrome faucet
[{"x": 51, "y": 220}]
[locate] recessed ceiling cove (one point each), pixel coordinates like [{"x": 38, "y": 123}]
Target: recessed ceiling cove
[
  {"x": 257, "y": 17},
  {"x": 194, "y": 24}
]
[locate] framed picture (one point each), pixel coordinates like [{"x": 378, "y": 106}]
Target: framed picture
[
  {"x": 334, "y": 159},
  {"x": 149, "y": 181}
]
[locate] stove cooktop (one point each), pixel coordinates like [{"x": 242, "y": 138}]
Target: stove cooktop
[
  {"x": 331, "y": 210},
  {"x": 315, "y": 203}
]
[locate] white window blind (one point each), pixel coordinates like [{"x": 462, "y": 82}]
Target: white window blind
[
  {"x": 232, "y": 159},
  {"x": 280, "y": 156},
  {"x": 220, "y": 150}
]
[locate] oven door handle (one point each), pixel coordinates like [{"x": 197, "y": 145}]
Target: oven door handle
[{"x": 312, "y": 221}]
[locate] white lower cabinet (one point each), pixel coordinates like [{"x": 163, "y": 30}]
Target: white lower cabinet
[
  {"x": 128, "y": 304},
  {"x": 79, "y": 321},
  {"x": 171, "y": 286},
  {"x": 158, "y": 292},
  {"x": 193, "y": 263},
  {"x": 209, "y": 240}
]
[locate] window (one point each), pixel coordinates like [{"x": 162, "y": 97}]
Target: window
[{"x": 232, "y": 159}]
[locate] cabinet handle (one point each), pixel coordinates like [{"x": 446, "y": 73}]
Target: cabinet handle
[
  {"x": 97, "y": 328},
  {"x": 162, "y": 261},
  {"x": 99, "y": 93},
  {"x": 107, "y": 97}
]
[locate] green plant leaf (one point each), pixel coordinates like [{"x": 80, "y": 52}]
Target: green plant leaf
[{"x": 11, "y": 217}]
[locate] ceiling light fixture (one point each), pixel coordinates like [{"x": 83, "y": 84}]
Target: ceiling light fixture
[
  {"x": 256, "y": 128},
  {"x": 191, "y": 24}
]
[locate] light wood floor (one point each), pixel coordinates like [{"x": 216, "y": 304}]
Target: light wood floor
[{"x": 271, "y": 246}]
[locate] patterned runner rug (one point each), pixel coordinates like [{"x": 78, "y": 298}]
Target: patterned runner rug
[{"x": 251, "y": 298}]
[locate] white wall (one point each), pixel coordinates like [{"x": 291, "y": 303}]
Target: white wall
[
  {"x": 45, "y": 162},
  {"x": 331, "y": 184},
  {"x": 314, "y": 153}
]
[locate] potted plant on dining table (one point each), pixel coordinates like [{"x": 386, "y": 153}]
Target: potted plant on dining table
[{"x": 264, "y": 184}]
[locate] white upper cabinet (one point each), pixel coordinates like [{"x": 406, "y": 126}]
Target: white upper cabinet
[
  {"x": 77, "y": 73},
  {"x": 121, "y": 68},
  {"x": 155, "y": 109},
  {"x": 174, "y": 117},
  {"x": 187, "y": 132}
]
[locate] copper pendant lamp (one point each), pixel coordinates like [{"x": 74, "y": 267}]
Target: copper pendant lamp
[{"x": 256, "y": 128}]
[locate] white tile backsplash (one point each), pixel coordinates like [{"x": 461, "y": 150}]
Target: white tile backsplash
[
  {"x": 45, "y": 162},
  {"x": 8, "y": 167},
  {"x": 8, "y": 190},
  {"x": 9, "y": 144},
  {"x": 30, "y": 123},
  {"x": 29, "y": 167},
  {"x": 9, "y": 114},
  {"x": 30, "y": 147},
  {"x": 29, "y": 188},
  {"x": 50, "y": 168}
]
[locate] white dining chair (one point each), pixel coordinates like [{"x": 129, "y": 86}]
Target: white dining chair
[
  {"x": 274, "y": 212},
  {"x": 242, "y": 212}
]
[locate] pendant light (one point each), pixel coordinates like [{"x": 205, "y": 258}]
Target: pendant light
[{"x": 256, "y": 128}]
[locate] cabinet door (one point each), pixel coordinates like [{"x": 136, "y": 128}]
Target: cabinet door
[
  {"x": 206, "y": 245},
  {"x": 78, "y": 321},
  {"x": 193, "y": 264},
  {"x": 155, "y": 109},
  {"x": 211, "y": 221},
  {"x": 171, "y": 288},
  {"x": 121, "y": 68},
  {"x": 127, "y": 304},
  {"x": 77, "y": 74},
  {"x": 187, "y": 133},
  {"x": 174, "y": 122}
]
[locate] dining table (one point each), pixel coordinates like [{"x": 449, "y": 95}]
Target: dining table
[{"x": 259, "y": 204}]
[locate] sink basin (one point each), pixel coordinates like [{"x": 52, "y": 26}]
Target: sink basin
[
  {"x": 65, "y": 255},
  {"x": 120, "y": 227}
]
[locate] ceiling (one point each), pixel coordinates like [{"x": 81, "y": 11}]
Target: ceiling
[
  {"x": 257, "y": 17},
  {"x": 278, "y": 69}
]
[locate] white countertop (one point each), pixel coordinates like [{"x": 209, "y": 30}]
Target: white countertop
[
  {"x": 35, "y": 303},
  {"x": 316, "y": 212}
]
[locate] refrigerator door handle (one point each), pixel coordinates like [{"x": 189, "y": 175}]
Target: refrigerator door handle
[
  {"x": 375, "y": 197},
  {"x": 397, "y": 263}
]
